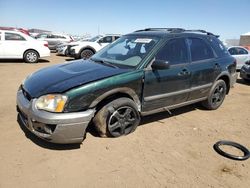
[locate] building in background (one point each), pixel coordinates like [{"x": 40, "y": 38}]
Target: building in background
[{"x": 245, "y": 40}]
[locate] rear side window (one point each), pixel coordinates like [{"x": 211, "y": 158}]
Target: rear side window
[
  {"x": 175, "y": 52},
  {"x": 218, "y": 46},
  {"x": 13, "y": 36},
  {"x": 199, "y": 49}
]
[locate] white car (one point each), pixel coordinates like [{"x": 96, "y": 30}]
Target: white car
[
  {"x": 17, "y": 45},
  {"x": 86, "y": 49},
  {"x": 241, "y": 54},
  {"x": 62, "y": 48},
  {"x": 54, "y": 39}
]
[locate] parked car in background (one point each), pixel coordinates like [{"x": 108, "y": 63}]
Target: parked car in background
[
  {"x": 241, "y": 54},
  {"x": 63, "y": 48},
  {"x": 141, "y": 73},
  {"x": 25, "y": 31},
  {"x": 85, "y": 49},
  {"x": 17, "y": 45},
  {"x": 53, "y": 39},
  {"x": 245, "y": 71}
]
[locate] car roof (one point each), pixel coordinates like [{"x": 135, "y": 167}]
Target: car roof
[
  {"x": 11, "y": 31},
  {"x": 165, "y": 32}
]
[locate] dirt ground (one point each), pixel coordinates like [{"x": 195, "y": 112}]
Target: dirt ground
[{"x": 165, "y": 151}]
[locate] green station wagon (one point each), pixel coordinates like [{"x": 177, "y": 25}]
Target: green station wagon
[{"x": 145, "y": 72}]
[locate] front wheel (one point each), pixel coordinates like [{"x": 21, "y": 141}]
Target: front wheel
[
  {"x": 117, "y": 118},
  {"x": 31, "y": 56},
  {"x": 216, "y": 96},
  {"x": 86, "y": 54}
]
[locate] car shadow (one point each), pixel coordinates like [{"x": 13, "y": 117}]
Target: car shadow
[
  {"x": 243, "y": 82},
  {"x": 42, "y": 143},
  {"x": 70, "y": 59},
  {"x": 22, "y": 61},
  {"x": 157, "y": 117}
]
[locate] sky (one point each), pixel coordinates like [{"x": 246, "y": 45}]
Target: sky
[{"x": 227, "y": 18}]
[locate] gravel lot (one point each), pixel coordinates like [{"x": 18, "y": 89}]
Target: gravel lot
[{"x": 165, "y": 151}]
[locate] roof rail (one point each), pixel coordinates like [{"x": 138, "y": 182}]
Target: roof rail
[
  {"x": 162, "y": 29},
  {"x": 202, "y": 31},
  {"x": 177, "y": 30}
]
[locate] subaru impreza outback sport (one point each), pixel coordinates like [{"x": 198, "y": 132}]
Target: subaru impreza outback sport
[{"x": 145, "y": 72}]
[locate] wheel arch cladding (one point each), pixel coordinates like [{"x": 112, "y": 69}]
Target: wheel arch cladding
[
  {"x": 115, "y": 94},
  {"x": 87, "y": 48},
  {"x": 226, "y": 79}
]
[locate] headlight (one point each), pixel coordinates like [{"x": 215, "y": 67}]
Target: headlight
[{"x": 52, "y": 102}]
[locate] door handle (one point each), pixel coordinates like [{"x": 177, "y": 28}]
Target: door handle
[{"x": 184, "y": 72}]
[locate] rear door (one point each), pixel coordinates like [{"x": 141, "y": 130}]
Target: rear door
[
  {"x": 170, "y": 86},
  {"x": 204, "y": 66}
]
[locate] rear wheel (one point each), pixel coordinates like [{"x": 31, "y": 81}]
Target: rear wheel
[
  {"x": 216, "y": 95},
  {"x": 117, "y": 118},
  {"x": 86, "y": 54},
  {"x": 31, "y": 56}
]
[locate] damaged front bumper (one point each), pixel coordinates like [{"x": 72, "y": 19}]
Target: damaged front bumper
[{"x": 63, "y": 128}]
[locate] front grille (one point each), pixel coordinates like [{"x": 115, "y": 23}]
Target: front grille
[{"x": 26, "y": 94}]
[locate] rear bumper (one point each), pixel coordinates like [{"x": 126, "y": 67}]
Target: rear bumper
[
  {"x": 44, "y": 53},
  {"x": 233, "y": 80},
  {"x": 63, "y": 128}
]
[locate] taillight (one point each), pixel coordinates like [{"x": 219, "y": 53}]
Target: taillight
[{"x": 46, "y": 45}]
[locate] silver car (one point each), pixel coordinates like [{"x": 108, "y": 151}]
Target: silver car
[{"x": 241, "y": 54}]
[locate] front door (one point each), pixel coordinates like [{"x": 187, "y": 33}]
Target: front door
[
  {"x": 168, "y": 87},
  {"x": 13, "y": 45}
]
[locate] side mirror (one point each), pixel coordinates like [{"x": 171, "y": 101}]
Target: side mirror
[{"x": 160, "y": 65}]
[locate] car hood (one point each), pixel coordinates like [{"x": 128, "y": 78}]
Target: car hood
[{"x": 62, "y": 77}]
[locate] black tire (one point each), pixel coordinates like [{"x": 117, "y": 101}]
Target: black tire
[
  {"x": 86, "y": 54},
  {"x": 31, "y": 56},
  {"x": 216, "y": 95},
  {"x": 117, "y": 118},
  {"x": 230, "y": 156}
]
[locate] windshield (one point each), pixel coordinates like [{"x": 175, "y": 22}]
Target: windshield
[{"x": 127, "y": 51}]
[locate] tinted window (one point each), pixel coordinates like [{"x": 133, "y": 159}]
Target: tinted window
[
  {"x": 200, "y": 50},
  {"x": 175, "y": 52},
  {"x": 107, "y": 39},
  {"x": 242, "y": 51},
  {"x": 13, "y": 36},
  {"x": 233, "y": 51},
  {"x": 237, "y": 51},
  {"x": 218, "y": 46}
]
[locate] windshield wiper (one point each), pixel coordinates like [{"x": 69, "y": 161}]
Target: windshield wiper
[{"x": 103, "y": 62}]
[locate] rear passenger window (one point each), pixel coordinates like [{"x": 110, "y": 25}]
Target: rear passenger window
[
  {"x": 218, "y": 46},
  {"x": 200, "y": 50},
  {"x": 13, "y": 36},
  {"x": 175, "y": 52}
]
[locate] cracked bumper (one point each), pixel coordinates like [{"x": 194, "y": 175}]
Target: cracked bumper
[{"x": 63, "y": 128}]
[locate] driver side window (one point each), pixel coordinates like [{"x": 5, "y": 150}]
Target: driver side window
[
  {"x": 107, "y": 39},
  {"x": 175, "y": 52}
]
